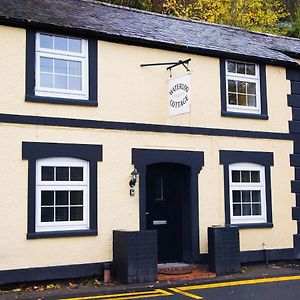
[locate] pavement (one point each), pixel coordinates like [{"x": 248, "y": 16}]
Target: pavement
[{"x": 72, "y": 288}]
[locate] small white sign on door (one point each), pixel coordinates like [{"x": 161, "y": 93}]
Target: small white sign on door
[{"x": 179, "y": 95}]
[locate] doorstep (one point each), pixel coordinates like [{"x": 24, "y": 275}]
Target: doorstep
[{"x": 181, "y": 271}]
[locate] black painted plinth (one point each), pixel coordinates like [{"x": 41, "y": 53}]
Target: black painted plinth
[
  {"x": 224, "y": 250},
  {"x": 135, "y": 256}
]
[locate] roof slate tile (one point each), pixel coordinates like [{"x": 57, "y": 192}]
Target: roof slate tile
[{"x": 119, "y": 23}]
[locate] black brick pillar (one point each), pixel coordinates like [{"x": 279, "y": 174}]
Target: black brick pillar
[
  {"x": 224, "y": 250},
  {"x": 135, "y": 256},
  {"x": 293, "y": 74}
]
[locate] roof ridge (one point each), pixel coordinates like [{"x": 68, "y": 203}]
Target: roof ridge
[{"x": 189, "y": 20}]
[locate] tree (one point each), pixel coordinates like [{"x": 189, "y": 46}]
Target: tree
[
  {"x": 295, "y": 27},
  {"x": 291, "y": 6},
  {"x": 259, "y": 15},
  {"x": 140, "y": 4}
]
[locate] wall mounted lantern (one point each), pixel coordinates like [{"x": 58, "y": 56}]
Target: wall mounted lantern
[{"x": 134, "y": 174}]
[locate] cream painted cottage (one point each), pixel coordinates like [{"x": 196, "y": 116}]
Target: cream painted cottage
[{"x": 84, "y": 102}]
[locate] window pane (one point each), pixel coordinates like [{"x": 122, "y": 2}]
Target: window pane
[
  {"x": 232, "y": 86},
  {"x": 47, "y": 198},
  {"x": 76, "y": 198},
  {"x": 76, "y": 213},
  {"x": 242, "y": 87},
  {"x": 61, "y": 197},
  {"x": 46, "y": 80},
  {"x": 256, "y": 196},
  {"x": 232, "y": 99},
  {"x": 46, "y": 41},
  {"x": 75, "y": 83},
  {"x": 60, "y": 82},
  {"x": 60, "y": 43},
  {"x": 237, "y": 211},
  {"x": 231, "y": 67},
  {"x": 255, "y": 176},
  {"x": 60, "y": 66},
  {"x": 245, "y": 196},
  {"x": 236, "y": 176},
  {"x": 241, "y": 68},
  {"x": 61, "y": 214},
  {"x": 75, "y": 45},
  {"x": 245, "y": 176},
  {"x": 75, "y": 68},
  {"x": 159, "y": 188},
  {"x": 250, "y": 69},
  {"x": 62, "y": 173},
  {"x": 46, "y": 65},
  {"x": 246, "y": 209},
  {"x": 251, "y": 88},
  {"x": 76, "y": 173},
  {"x": 256, "y": 209},
  {"x": 47, "y": 214},
  {"x": 242, "y": 100},
  {"x": 236, "y": 196},
  {"x": 251, "y": 101},
  {"x": 47, "y": 173}
]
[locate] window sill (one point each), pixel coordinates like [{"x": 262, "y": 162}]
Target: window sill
[
  {"x": 50, "y": 100},
  {"x": 253, "y": 225},
  {"x": 244, "y": 115},
  {"x": 57, "y": 234}
]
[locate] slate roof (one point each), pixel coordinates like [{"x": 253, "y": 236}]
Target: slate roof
[{"x": 133, "y": 26}]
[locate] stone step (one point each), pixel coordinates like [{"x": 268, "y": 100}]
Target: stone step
[{"x": 179, "y": 271}]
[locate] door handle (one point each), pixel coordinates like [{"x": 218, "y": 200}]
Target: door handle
[{"x": 147, "y": 213}]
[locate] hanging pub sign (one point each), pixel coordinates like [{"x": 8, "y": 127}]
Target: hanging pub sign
[{"x": 179, "y": 94}]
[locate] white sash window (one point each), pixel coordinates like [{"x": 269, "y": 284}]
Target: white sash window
[{"x": 61, "y": 67}]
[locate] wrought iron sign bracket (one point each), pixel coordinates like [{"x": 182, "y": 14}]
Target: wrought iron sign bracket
[{"x": 171, "y": 65}]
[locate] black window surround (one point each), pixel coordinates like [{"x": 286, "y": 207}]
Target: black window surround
[
  {"x": 30, "y": 75},
  {"x": 33, "y": 151},
  {"x": 265, "y": 159},
  {"x": 263, "y": 95}
]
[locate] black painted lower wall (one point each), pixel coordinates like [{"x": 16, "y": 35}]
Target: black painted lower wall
[
  {"x": 52, "y": 273},
  {"x": 260, "y": 255},
  {"x": 96, "y": 269}
]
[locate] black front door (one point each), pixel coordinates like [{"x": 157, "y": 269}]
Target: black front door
[{"x": 165, "y": 189}]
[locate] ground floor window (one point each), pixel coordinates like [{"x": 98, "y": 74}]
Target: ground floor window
[
  {"x": 62, "y": 194},
  {"x": 62, "y": 189},
  {"x": 247, "y": 193},
  {"x": 247, "y": 188}
]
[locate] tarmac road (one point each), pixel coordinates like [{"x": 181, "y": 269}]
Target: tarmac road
[{"x": 276, "y": 288}]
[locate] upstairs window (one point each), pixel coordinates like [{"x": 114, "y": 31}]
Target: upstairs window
[
  {"x": 243, "y": 89},
  {"x": 242, "y": 81},
  {"x": 61, "y": 69},
  {"x": 61, "y": 66}
]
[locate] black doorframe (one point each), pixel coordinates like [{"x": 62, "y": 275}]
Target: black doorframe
[{"x": 141, "y": 158}]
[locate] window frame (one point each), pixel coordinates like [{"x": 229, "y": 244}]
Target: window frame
[
  {"x": 228, "y": 110},
  {"x": 62, "y": 185},
  {"x": 35, "y": 151},
  {"x": 34, "y": 93},
  {"x": 263, "y": 159},
  {"x": 244, "y": 78},
  {"x": 239, "y": 186},
  {"x": 66, "y": 55}
]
